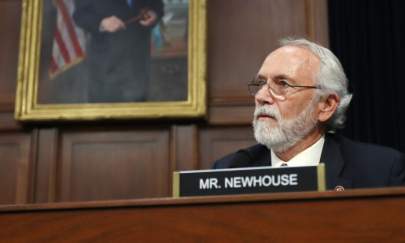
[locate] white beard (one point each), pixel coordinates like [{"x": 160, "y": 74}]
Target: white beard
[{"x": 286, "y": 133}]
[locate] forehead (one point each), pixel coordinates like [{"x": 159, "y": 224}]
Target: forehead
[{"x": 291, "y": 61}]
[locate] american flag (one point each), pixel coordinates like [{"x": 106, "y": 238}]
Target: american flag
[{"x": 68, "y": 40}]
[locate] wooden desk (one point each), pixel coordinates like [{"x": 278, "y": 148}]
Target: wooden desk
[{"x": 376, "y": 215}]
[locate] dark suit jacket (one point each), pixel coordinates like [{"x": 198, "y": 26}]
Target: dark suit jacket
[
  {"x": 119, "y": 62},
  {"x": 349, "y": 164}
]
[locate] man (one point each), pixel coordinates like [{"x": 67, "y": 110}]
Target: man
[
  {"x": 119, "y": 46},
  {"x": 301, "y": 97}
]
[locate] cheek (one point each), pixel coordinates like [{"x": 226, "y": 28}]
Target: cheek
[{"x": 292, "y": 110}]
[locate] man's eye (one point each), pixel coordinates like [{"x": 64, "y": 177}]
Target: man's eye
[
  {"x": 283, "y": 83},
  {"x": 260, "y": 82}
]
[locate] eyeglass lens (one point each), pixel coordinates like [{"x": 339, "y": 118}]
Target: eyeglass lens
[{"x": 277, "y": 91}]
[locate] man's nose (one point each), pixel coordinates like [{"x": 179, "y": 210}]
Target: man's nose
[{"x": 263, "y": 96}]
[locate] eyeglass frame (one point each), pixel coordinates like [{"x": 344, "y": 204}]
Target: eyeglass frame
[{"x": 256, "y": 83}]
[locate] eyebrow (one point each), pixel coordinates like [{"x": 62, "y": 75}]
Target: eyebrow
[
  {"x": 277, "y": 77},
  {"x": 259, "y": 76}
]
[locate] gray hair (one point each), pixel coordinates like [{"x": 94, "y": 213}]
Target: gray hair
[{"x": 331, "y": 78}]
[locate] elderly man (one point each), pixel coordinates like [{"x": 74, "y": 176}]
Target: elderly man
[{"x": 301, "y": 97}]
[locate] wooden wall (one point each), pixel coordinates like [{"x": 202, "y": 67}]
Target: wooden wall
[{"x": 117, "y": 160}]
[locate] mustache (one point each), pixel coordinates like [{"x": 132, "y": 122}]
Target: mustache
[{"x": 270, "y": 111}]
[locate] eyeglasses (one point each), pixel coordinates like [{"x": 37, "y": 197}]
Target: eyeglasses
[{"x": 279, "y": 89}]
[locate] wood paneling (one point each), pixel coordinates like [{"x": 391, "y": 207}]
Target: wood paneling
[
  {"x": 220, "y": 141},
  {"x": 226, "y": 114},
  {"x": 240, "y": 40},
  {"x": 184, "y": 147},
  {"x": 99, "y": 165},
  {"x": 46, "y": 164},
  {"x": 7, "y": 121},
  {"x": 10, "y": 12},
  {"x": 15, "y": 152},
  {"x": 317, "y": 21}
]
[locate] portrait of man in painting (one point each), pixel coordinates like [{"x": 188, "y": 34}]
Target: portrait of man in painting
[{"x": 112, "y": 51}]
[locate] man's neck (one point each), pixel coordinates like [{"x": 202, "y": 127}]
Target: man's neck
[{"x": 300, "y": 145}]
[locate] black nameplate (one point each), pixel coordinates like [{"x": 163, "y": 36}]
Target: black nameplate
[{"x": 248, "y": 180}]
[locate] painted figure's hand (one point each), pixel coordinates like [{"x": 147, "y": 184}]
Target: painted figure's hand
[
  {"x": 111, "y": 24},
  {"x": 149, "y": 18}
]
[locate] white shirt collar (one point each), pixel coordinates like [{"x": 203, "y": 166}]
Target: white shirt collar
[{"x": 308, "y": 157}]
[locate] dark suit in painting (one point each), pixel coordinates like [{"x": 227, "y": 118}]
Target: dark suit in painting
[
  {"x": 119, "y": 61},
  {"x": 349, "y": 164}
]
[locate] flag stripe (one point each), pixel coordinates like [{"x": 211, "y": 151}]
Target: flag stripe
[
  {"x": 70, "y": 28},
  {"x": 58, "y": 56},
  {"x": 66, "y": 39},
  {"x": 54, "y": 65},
  {"x": 69, "y": 40},
  {"x": 62, "y": 47}
]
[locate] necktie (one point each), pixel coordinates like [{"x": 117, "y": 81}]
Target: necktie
[
  {"x": 284, "y": 164},
  {"x": 129, "y": 2}
]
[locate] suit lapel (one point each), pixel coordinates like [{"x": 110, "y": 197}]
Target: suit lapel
[
  {"x": 260, "y": 157},
  {"x": 265, "y": 160},
  {"x": 334, "y": 163}
]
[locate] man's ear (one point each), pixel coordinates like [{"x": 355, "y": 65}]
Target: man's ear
[{"x": 327, "y": 107}]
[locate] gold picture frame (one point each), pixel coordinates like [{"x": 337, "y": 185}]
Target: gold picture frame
[{"x": 28, "y": 107}]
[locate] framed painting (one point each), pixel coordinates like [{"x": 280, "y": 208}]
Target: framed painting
[{"x": 111, "y": 59}]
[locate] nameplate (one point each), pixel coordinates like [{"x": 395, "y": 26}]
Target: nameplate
[{"x": 248, "y": 180}]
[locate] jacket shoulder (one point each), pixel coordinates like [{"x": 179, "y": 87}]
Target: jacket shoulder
[
  {"x": 375, "y": 164},
  {"x": 371, "y": 151},
  {"x": 255, "y": 155}
]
